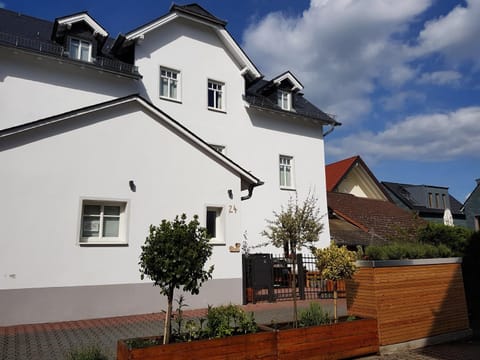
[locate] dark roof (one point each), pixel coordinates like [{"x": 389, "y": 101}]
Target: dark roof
[
  {"x": 344, "y": 233},
  {"x": 401, "y": 192},
  {"x": 260, "y": 94},
  {"x": 34, "y": 35},
  {"x": 380, "y": 219},
  {"x": 198, "y": 11}
]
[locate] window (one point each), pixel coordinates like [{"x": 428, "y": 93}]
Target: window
[
  {"x": 430, "y": 200},
  {"x": 284, "y": 100},
  {"x": 477, "y": 223},
  {"x": 286, "y": 172},
  {"x": 169, "y": 84},
  {"x": 216, "y": 94},
  {"x": 214, "y": 224},
  {"x": 103, "y": 222},
  {"x": 80, "y": 49}
]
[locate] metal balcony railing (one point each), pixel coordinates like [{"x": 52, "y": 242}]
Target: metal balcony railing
[{"x": 57, "y": 50}]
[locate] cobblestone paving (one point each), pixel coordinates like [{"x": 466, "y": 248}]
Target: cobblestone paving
[{"x": 53, "y": 341}]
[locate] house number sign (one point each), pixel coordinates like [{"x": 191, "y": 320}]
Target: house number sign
[{"x": 232, "y": 209}]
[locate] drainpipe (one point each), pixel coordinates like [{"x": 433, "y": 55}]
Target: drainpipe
[
  {"x": 250, "y": 190},
  {"x": 332, "y": 127}
]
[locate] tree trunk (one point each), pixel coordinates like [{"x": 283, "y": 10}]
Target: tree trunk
[
  {"x": 294, "y": 289},
  {"x": 335, "y": 296},
  {"x": 168, "y": 317}
]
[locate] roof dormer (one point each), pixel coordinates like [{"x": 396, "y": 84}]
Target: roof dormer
[{"x": 80, "y": 35}]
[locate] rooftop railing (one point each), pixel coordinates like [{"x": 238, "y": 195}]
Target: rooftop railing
[{"x": 59, "y": 51}]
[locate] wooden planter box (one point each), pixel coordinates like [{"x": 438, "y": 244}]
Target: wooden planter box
[
  {"x": 261, "y": 345},
  {"x": 411, "y": 299},
  {"x": 336, "y": 341}
]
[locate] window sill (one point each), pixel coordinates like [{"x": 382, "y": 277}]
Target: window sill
[
  {"x": 288, "y": 188},
  {"x": 178, "y": 101},
  {"x": 102, "y": 243},
  {"x": 217, "y": 110}
]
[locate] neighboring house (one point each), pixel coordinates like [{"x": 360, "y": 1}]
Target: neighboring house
[
  {"x": 427, "y": 201},
  {"x": 101, "y": 137},
  {"x": 471, "y": 208},
  {"x": 352, "y": 176},
  {"x": 360, "y": 210},
  {"x": 361, "y": 221}
]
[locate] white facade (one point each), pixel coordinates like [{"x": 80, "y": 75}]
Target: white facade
[{"x": 95, "y": 152}]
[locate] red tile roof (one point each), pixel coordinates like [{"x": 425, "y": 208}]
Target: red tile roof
[
  {"x": 377, "y": 217},
  {"x": 335, "y": 172}
]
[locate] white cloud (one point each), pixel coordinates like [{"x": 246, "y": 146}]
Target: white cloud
[
  {"x": 401, "y": 99},
  {"x": 346, "y": 52},
  {"x": 2, "y": 5},
  {"x": 340, "y": 49},
  {"x": 441, "y": 77},
  {"x": 432, "y": 137},
  {"x": 455, "y": 35}
]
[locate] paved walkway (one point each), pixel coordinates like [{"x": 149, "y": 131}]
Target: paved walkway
[{"x": 53, "y": 341}]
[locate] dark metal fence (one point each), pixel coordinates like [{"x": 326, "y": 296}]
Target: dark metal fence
[{"x": 268, "y": 277}]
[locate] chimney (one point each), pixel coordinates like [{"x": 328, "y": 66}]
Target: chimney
[{"x": 478, "y": 181}]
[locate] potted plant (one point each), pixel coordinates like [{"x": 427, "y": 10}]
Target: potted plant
[
  {"x": 335, "y": 264},
  {"x": 226, "y": 332}
]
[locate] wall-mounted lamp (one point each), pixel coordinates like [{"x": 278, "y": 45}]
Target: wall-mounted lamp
[
  {"x": 230, "y": 193},
  {"x": 132, "y": 185}
]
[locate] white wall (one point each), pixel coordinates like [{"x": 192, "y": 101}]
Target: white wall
[
  {"x": 44, "y": 179},
  {"x": 33, "y": 88},
  {"x": 253, "y": 139}
]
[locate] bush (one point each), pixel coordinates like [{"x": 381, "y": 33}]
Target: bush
[
  {"x": 376, "y": 252},
  {"x": 401, "y": 251},
  {"x": 454, "y": 237},
  {"x": 88, "y": 353},
  {"x": 313, "y": 315},
  {"x": 229, "y": 320}
]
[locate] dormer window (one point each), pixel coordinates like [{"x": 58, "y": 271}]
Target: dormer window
[
  {"x": 284, "y": 100},
  {"x": 80, "y": 49}
]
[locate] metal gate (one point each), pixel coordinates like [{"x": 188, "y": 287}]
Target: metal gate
[{"x": 268, "y": 277}]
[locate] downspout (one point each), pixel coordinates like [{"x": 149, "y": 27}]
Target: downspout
[
  {"x": 332, "y": 127},
  {"x": 250, "y": 190}
]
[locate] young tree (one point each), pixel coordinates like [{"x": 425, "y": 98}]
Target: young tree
[
  {"x": 294, "y": 227},
  {"x": 335, "y": 263},
  {"x": 174, "y": 256}
]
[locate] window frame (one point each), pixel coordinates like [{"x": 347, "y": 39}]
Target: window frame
[
  {"x": 179, "y": 84},
  {"x": 219, "y": 238},
  {"x": 121, "y": 239},
  {"x": 291, "y": 167},
  {"x": 284, "y": 97},
  {"x": 80, "y": 42},
  {"x": 223, "y": 97}
]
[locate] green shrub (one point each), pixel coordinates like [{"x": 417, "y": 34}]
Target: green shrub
[
  {"x": 229, "y": 320},
  {"x": 376, "y": 252},
  {"x": 455, "y": 237},
  {"x": 313, "y": 315},
  {"x": 407, "y": 251},
  {"x": 87, "y": 353}
]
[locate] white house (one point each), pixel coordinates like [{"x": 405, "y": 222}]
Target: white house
[{"x": 101, "y": 137}]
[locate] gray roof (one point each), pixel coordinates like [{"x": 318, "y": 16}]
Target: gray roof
[
  {"x": 35, "y": 35},
  {"x": 262, "y": 94},
  {"x": 408, "y": 194}
]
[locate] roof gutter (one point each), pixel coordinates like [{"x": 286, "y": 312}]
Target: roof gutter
[
  {"x": 250, "y": 190},
  {"x": 332, "y": 127}
]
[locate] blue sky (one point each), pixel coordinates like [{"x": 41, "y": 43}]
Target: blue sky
[{"x": 402, "y": 76}]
